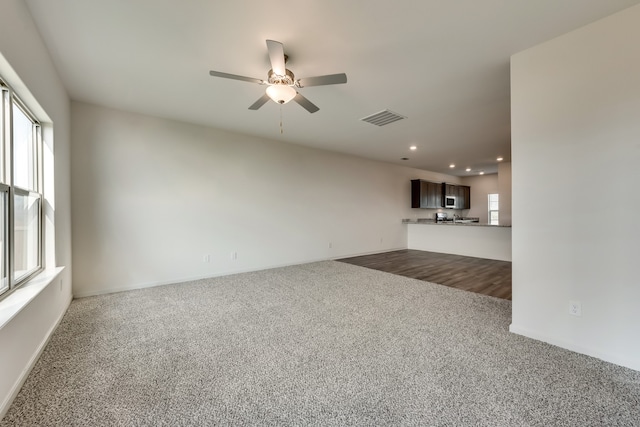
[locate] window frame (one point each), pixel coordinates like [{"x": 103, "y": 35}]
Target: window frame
[
  {"x": 5, "y": 283},
  {"x": 9, "y": 99}
]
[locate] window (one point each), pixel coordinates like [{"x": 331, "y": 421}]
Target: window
[
  {"x": 493, "y": 209},
  {"x": 26, "y": 231},
  {"x": 20, "y": 192},
  {"x": 24, "y": 149}
]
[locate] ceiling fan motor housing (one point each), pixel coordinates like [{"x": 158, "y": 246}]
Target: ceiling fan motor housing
[{"x": 288, "y": 79}]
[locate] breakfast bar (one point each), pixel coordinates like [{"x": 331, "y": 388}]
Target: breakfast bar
[{"x": 460, "y": 238}]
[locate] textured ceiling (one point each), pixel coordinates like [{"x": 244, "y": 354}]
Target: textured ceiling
[{"x": 442, "y": 64}]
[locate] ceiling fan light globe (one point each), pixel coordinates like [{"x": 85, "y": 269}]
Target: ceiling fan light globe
[{"x": 281, "y": 94}]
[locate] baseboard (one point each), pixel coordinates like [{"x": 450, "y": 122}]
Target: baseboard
[
  {"x": 368, "y": 253},
  {"x": 219, "y": 274},
  {"x": 631, "y": 363},
  {"x": 4, "y": 407},
  {"x": 176, "y": 281}
]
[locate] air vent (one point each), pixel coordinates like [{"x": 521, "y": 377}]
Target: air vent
[{"x": 383, "y": 118}]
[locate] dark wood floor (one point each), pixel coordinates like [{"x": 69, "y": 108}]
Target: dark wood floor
[{"x": 483, "y": 276}]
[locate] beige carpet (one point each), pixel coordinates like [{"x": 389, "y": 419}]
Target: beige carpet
[{"x": 318, "y": 344}]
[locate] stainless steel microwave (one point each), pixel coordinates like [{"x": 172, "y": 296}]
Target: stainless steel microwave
[{"x": 449, "y": 202}]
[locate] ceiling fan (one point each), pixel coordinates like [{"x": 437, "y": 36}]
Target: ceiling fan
[{"x": 282, "y": 83}]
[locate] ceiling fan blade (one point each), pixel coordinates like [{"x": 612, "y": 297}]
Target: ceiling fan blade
[
  {"x": 236, "y": 77},
  {"x": 330, "y": 79},
  {"x": 305, "y": 103},
  {"x": 276, "y": 56},
  {"x": 260, "y": 102}
]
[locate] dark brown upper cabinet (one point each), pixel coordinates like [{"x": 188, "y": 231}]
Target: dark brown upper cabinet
[
  {"x": 426, "y": 194},
  {"x": 464, "y": 197},
  {"x": 431, "y": 195}
]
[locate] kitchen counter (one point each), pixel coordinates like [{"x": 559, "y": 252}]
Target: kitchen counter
[
  {"x": 469, "y": 239},
  {"x": 463, "y": 222}
]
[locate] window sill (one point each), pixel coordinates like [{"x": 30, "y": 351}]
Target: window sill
[{"x": 21, "y": 297}]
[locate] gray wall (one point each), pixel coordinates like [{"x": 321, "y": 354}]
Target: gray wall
[
  {"x": 153, "y": 197},
  {"x": 576, "y": 151},
  {"x": 25, "y": 63},
  {"x": 481, "y": 187}
]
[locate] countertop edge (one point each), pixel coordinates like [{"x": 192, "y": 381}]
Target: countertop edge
[{"x": 467, "y": 224}]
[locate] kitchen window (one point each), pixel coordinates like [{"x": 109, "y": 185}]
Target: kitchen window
[
  {"x": 493, "y": 209},
  {"x": 20, "y": 192}
]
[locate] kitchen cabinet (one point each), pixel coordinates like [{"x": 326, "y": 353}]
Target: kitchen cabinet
[
  {"x": 461, "y": 193},
  {"x": 426, "y": 194},
  {"x": 434, "y": 194},
  {"x": 449, "y": 190},
  {"x": 464, "y": 197},
  {"x": 431, "y": 195}
]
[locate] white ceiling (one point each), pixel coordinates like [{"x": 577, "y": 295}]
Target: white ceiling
[{"x": 443, "y": 64}]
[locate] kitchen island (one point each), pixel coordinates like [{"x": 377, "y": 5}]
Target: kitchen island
[{"x": 466, "y": 238}]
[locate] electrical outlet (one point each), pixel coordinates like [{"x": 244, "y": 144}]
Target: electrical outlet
[
  {"x": 234, "y": 255},
  {"x": 575, "y": 308},
  {"x": 206, "y": 258},
  {"x": 381, "y": 240},
  {"x": 330, "y": 245}
]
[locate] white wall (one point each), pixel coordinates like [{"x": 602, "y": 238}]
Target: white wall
[
  {"x": 152, "y": 197},
  {"x": 481, "y": 187},
  {"x": 504, "y": 189},
  {"x": 25, "y": 63},
  {"x": 576, "y": 148}
]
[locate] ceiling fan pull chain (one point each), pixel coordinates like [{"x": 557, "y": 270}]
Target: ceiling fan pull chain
[{"x": 281, "y": 130}]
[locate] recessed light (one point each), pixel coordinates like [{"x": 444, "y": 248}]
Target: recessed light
[
  {"x": 499, "y": 159},
  {"x": 468, "y": 169},
  {"x": 452, "y": 166},
  {"x": 413, "y": 148},
  {"x": 481, "y": 172}
]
